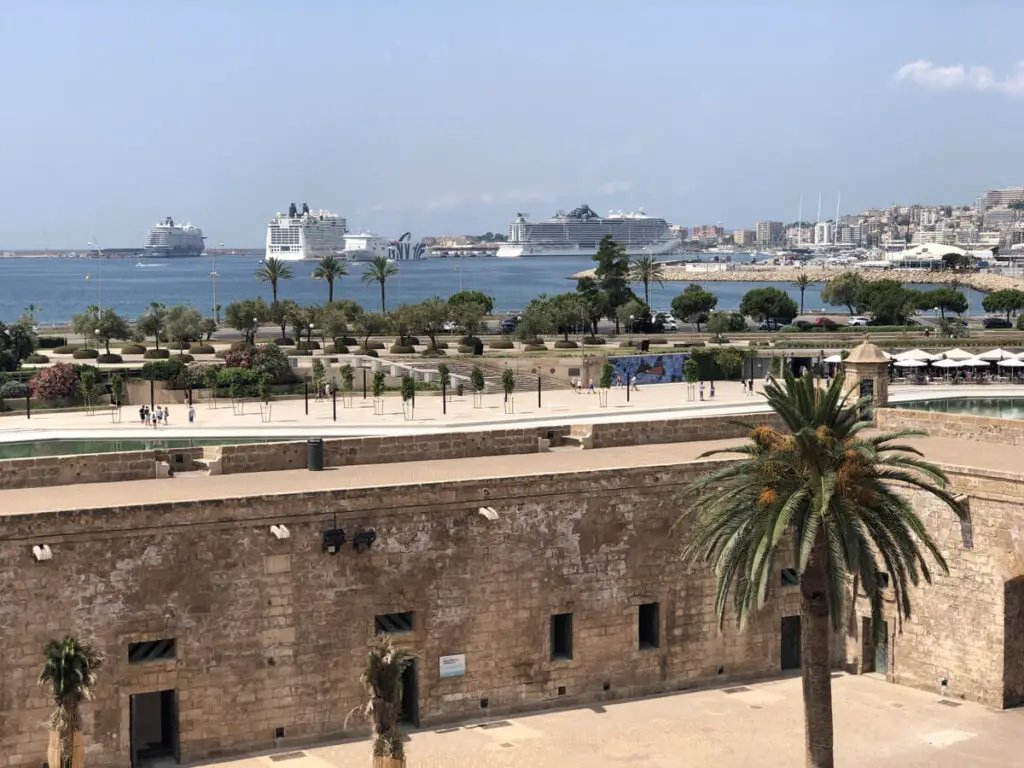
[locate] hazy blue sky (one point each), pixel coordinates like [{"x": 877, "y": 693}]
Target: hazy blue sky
[{"x": 446, "y": 116}]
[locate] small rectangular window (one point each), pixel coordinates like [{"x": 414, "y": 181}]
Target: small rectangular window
[
  {"x": 883, "y": 579},
  {"x": 151, "y": 650},
  {"x": 561, "y": 636},
  {"x": 394, "y": 623},
  {"x": 790, "y": 578},
  {"x": 648, "y": 626}
]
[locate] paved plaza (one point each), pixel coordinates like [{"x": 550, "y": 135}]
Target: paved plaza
[{"x": 877, "y": 725}]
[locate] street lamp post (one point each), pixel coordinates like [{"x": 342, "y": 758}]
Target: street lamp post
[
  {"x": 309, "y": 338},
  {"x": 213, "y": 279},
  {"x": 255, "y": 328},
  {"x": 99, "y": 274},
  {"x": 631, "y": 329}
]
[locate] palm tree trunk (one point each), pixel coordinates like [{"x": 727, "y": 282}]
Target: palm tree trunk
[
  {"x": 383, "y": 310},
  {"x": 330, "y": 291},
  {"x": 647, "y": 293},
  {"x": 815, "y": 636},
  {"x": 273, "y": 288},
  {"x": 801, "y": 301}
]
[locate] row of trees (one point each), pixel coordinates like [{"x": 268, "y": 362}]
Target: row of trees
[
  {"x": 330, "y": 270},
  {"x": 892, "y": 303},
  {"x": 180, "y": 324}
]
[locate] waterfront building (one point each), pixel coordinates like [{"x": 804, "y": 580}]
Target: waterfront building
[
  {"x": 1008, "y": 196},
  {"x": 745, "y": 238},
  {"x": 707, "y": 232},
  {"x": 769, "y": 233},
  {"x": 999, "y": 217},
  {"x": 823, "y": 233},
  {"x": 682, "y": 233}
]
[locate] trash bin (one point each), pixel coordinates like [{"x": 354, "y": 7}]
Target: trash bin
[
  {"x": 478, "y": 348},
  {"x": 645, "y": 345},
  {"x": 315, "y": 454}
]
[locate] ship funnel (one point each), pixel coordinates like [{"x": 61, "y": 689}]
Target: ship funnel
[
  {"x": 305, "y": 208},
  {"x": 292, "y": 210}
]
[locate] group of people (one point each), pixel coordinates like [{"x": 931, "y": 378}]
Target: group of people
[
  {"x": 576, "y": 384},
  {"x": 160, "y": 415}
]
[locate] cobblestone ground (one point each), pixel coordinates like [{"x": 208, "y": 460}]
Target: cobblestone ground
[{"x": 877, "y": 725}]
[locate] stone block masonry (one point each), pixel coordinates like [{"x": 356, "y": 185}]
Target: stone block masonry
[
  {"x": 960, "y": 426},
  {"x": 93, "y": 467}
]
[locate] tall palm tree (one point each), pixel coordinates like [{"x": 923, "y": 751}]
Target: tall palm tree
[
  {"x": 380, "y": 270},
  {"x": 646, "y": 270},
  {"x": 382, "y": 679},
  {"x": 272, "y": 271},
  {"x": 832, "y": 495},
  {"x": 330, "y": 268},
  {"x": 802, "y": 282},
  {"x": 69, "y": 668}
]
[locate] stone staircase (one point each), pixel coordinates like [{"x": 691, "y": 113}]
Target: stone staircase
[{"x": 492, "y": 370}]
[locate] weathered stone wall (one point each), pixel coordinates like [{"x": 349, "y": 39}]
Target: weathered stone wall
[
  {"x": 677, "y": 430},
  {"x": 956, "y": 425},
  {"x": 273, "y": 633},
  {"x": 92, "y": 468}
]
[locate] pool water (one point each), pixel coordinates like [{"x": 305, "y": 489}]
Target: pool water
[
  {"x": 996, "y": 407},
  {"x": 30, "y": 450}
]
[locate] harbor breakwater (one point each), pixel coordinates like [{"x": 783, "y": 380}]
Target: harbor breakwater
[{"x": 985, "y": 282}]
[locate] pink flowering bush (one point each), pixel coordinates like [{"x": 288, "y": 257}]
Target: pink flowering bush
[{"x": 58, "y": 382}]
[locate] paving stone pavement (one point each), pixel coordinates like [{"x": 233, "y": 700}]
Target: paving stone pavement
[{"x": 877, "y": 724}]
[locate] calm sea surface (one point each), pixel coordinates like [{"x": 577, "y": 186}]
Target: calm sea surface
[{"x": 62, "y": 287}]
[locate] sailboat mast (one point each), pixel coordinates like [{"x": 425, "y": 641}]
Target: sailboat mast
[
  {"x": 800, "y": 223},
  {"x": 839, "y": 196}
]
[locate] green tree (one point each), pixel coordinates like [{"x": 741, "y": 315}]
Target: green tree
[
  {"x": 87, "y": 379},
  {"x": 408, "y": 387},
  {"x": 84, "y": 323},
  {"x": 273, "y": 271},
  {"x": 208, "y": 327},
  {"x": 821, "y": 496},
  {"x": 693, "y": 304},
  {"x": 329, "y": 269},
  {"x": 594, "y": 299},
  {"x": 379, "y": 271},
  {"x": 184, "y": 324},
  {"x": 691, "y": 371},
  {"x": 842, "y": 290},
  {"x": 1009, "y": 301},
  {"x": 281, "y": 313},
  {"x": 612, "y": 275},
  {"x": 347, "y": 377},
  {"x": 334, "y": 324},
  {"x": 378, "y": 384},
  {"x": 245, "y": 316},
  {"x": 401, "y": 322},
  {"x": 476, "y": 379},
  {"x": 607, "y": 371},
  {"x": 567, "y": 313},
  {"x": 110, "y": 325},
  {"x": 429, "y": 318},
  {"x": 508, "y": 381},
  {"x": 889, "y": 302},
  {"x": 444, "y": 375},
  {"x": 802, "y": 283},
  {"x": 469, "y": 316},
  {"x": 457, "y": 300},
  {"x": 304, "y": 321},
  {"x": 721, "y": 323},
  {"x": 17, "y": 341},
  {"x": 945, "y": 299},
  {"x": 370, "y": 324},
  {"x": 69, "y": 669},
  {"x": 382, "y": 679},
  {"x": 638, "y": 311},
  {"x": 646, "y": 270},
  {"x": 153, "y": 322},
  {"x": 117, "y": 388},
  {"x": 319, "y": 375},
  {"x": 534, "y": 320},
  {"x": 768, "y": 303},
  {"x": 263, "y": 388},
  {"x": 729, "y": 361}
]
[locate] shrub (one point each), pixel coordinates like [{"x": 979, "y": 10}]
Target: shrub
[
  {"x": 284, "y": 342},
  {"x": 375, "y": 345},
  {"x": 469, "y": 341},
  {"x": 133, "y": 349},
  {"x": 67, "y": 349},
  {"x": 308, "y": 345},
  {"x": 201, "y": 349},
  {"x": 561, "y": 344},
  {"x": 594, "y": 340},
  {"x": 499, "y": 344},
  {"x": 291, "y": 352},
  {"x": 367, "y": 352},
  {"x": 12, "y": 390},
  {"x": 157, "y": 354},
  {"x": 239, "y": 346},
  {"x": 51, "y": 342},
  {"x": 37, "y": 359},
  {"x": 86, "y": 354},
  {"x": 333, "y": 350},
  {"x": 535, "y": 347},
  {"x": 398, "y": 349},
  {"x": 627, "y": 344},
  {"x": 462, "y": 349},
  {"x": 108, "y": 359},
  {"x": 58, "y": 382},
  {"x": 162, "y": 370},
  {"x": 239, "y": 382},
  {"x": 222, "y": 354},
  {"x": 428, "y": 352},
  {"x": 441, "y": 345},
  {"x": 184, "y": 357},
  {"x": 658, "y": 341},
  {"x": 349, "y": 341}
]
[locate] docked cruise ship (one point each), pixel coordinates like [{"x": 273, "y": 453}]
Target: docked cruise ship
[
  {"x": 170, "y": 240},
  {"x": 579, "y": 231},
  {"x": 305, "y": 235}
]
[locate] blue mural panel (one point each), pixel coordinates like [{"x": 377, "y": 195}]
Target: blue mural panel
[{"x": 649, "y": 369}]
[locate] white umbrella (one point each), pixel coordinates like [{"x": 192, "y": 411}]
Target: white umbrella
[
  {"x": 1011, "y": 362},
  {"x": 995, "y": 354},
  {"x": 916, "y": 354},
  {"x": 976, "y": 362},
  {"x": 958, "y": 354},
  {"x": 910, "y": 363},
  {"x": 948, "y": 364},
  {"x": 834, "y": 359}
]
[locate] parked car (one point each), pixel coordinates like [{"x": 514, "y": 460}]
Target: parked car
[
  {"x": 859, "y": 320},
  {"x": 996, "y": 322},
  {"x": 668, "y": 322},
  {"x": 508, "y": 325},
  {"x": 769, "y": 325},
  {"x": 449, "y": 326}
]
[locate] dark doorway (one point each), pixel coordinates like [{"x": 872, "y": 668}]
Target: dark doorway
[
  {"x": 790, "y": 655},
  {"x": 867, "y": 646},
  {"x": 154, "y": 728},
  {"x": 882, "y": 650},
  {"x": 411, "y": 696}
]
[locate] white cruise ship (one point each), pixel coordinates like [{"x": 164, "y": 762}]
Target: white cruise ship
[
  {"x": 366, "y": 246},
  {"x": 579, "y": 231},
  {"x": 309, "y": 235},
  {"x": 170, "y": 240}
]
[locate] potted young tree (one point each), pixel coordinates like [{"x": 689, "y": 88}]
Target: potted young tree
[
  {"x": 210, "y": 382},
  {"x": 69, "y": 668},
  {"x": 348, "y": 376},
  {"x": 382, "y": 679},
  {"x": 378, "y": 393},
  {"x": 508, "y": 384},
  {"x": 444, "y": 380},
  {"x": 263, "y": 389},
  {"x": 117, "y": 389},
  {"x": 319, "y": 379},
  {"x": 476, "y": 380},
  {"x": 87, "y": 378},
  {"x": 408, "y": 397},
  {"x": 605, "y": 383},
  {"x": 691, "y": 372}
]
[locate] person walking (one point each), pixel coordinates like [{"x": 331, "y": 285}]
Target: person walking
[
  {"x": 712, "y": 390},
  {"x": 191, "y": 414},
  {"x": 167, "y": 416},
  {"x": 701, "y": 390}
]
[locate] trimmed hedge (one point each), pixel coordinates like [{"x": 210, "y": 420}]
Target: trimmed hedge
[
  {"x": 157, "y": 354},
  {"x": 562, "y": 344},
  {"x": 52, "y": 342},
  {"x": 185, "y": 357},
  {"x": 441, "y": 345},
  {"x": 108, "y": 359},
  {"x": 658, "y": 340},
  {"x": 86, "y": 354},
  {"x": 333, "y": 350},
  {"x": 308, "y": 345},
  {"x": 350, "y": 341},
  {"x": 433, "y": 352},
  {"x": 287, "y": 341},
  {"x": 367, "y": 352},
  {"x": 413, "y": 340},
  {"x": 464, "y": 350},
  {"x": 501, "y": 344},
  {"x": 535, "y": 348},
  {"x": 375, "y": 345},
  {"x": 469, "y": 341},
  {"x": 627, "y": 344},
  {"x": 133, "y": 349},
  {"x": 294, "y": 352},
  {"x": 237, "y": 346},
  {"x": 398, "y": 349},
  {"x": 67, "y": 349},
  {"x": 37, "y": 359},
  {"x": 221, "y": 354},
  {"x": 14, "y": 389},
  {"x": 594, "y": 340},
  {"x": 201, "y": 349}
]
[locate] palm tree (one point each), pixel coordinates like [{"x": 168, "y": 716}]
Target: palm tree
[
  {"x": 380, "y": 270},
  {"x": 273, "y": 270},
  {"x": 801, "y": 282},
  {"x": 70, "y": 670},
  {"x": 330, "y": 268},
  {"x": 382, "y": 679},
  {"x": 831, "y": 494},
  {"x": 646, "y": 270}
]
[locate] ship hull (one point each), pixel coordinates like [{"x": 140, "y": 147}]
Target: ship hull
[
  {"x": 520, "y": 250},
  {"x": 171, "y": 253}
]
